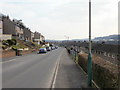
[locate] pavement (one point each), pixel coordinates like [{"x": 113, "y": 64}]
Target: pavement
[
  {"x": 54, "y": 69},
  {"x": 69, "y": 74}
]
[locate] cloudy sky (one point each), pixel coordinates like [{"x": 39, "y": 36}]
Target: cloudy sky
[{"x": 59, "y": 18}]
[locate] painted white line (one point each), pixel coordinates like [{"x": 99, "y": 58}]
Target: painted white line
[
  {"x": 55, "y": 76},
  {"x": 9, "y": 61},
  {"x": 55, "y": 73}
]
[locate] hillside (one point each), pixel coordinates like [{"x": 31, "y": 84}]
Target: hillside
[{"x": 108, "y": 38}]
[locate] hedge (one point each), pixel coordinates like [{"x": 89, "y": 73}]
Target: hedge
[{"x": 105, "y": 74}]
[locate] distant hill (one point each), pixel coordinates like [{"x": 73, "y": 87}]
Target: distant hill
[
  {"x": 104, "y": 38},
  {"x": 107, "y": 38},
  {"x": 86, "y": 39},
  {"x": 48, "y": 40}
]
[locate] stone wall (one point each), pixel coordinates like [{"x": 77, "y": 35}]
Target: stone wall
[
  {"x": 26, "y": 52},
  {"x": 11, "y": 53},
  {"x": 8, "y": 53}
]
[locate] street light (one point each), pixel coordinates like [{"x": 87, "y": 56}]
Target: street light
[
  {"x": 67, "y": 37},
  {"x": 90, "y": 53}
]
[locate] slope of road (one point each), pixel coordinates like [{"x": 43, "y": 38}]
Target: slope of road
[{"x": 31, "y": 71}]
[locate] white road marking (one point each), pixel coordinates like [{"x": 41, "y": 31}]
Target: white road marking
[
  {"x": 55, "y": 76},
  {"x": 55, "y": 73},
  {"x": 8, "y": 61}
]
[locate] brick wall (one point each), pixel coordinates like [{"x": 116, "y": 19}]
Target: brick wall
[
  {"x": 11, "y": 53},
  {"x": 26, "y": 52},
  {"x": 6, "y": 54}
]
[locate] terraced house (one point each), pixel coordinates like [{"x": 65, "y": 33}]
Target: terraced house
[
  {"x": 27, "y": 34},
  {"x": 22, "y": 32},
  {"x": 38, "y": 38},
  {"x": 3, "y": 34},
  {"x": 15, "y": 29},
  {"x": 19, "y": 29}
]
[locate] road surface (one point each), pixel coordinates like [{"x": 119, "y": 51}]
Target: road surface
[{"x": 30, "y": 71}]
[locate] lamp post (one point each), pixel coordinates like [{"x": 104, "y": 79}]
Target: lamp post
[
  {"x": 67, "y": 37},
  {"x": 90, "y": 53}
]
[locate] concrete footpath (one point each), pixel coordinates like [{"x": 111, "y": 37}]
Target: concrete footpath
[{"x": 69, "y": 75}]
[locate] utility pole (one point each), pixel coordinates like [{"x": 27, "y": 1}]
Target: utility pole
[{"x": 90, "y": 53}]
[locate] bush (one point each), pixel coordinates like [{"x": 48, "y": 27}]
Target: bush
[
  {"x": 15, "y": 47},
  {"x": 19, "y": 46},
  {"x": 9, "y": 42},
  {"x": 38, "y": 46},
  {"x": 14, "y": 41},
  {"x": 5, "y": 42},
  {"x": 3, "y": 46}
]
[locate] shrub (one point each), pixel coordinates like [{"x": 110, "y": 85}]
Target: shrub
[
  {"x": 14, "y": 41},
  {"x": 3, "y": 46},
  {"x": 9, "y": 42},
  {"x": 5, "y": 42},
  {"x": 38, "y": 46},
  {"x": 19, "y": 46},
  {"x": 105, "y": 74},
  {"x": 15, "y": 47}
]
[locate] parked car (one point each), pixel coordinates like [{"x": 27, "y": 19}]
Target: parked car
[
  {"x": 53, "y": 48},
  {"x": 48, "y": 48},
  {"x": 56, "y": 47},
  {"x": 42, "y": 50}
]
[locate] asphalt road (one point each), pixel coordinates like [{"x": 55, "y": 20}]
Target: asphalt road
[{"x": 30, "y": 71}]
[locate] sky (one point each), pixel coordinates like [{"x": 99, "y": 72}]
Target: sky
[{"x": 59, "y": 19}]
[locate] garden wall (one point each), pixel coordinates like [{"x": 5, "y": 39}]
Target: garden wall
[
  {"x": 8, "y": 53},
  {"x": 12, "y": 53}
]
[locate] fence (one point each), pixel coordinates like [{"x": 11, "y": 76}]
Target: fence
[
  {"x": 105, "y": 74},
  {"x": 109, "y": 56},
  {"x": 74, "y": 54}
]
